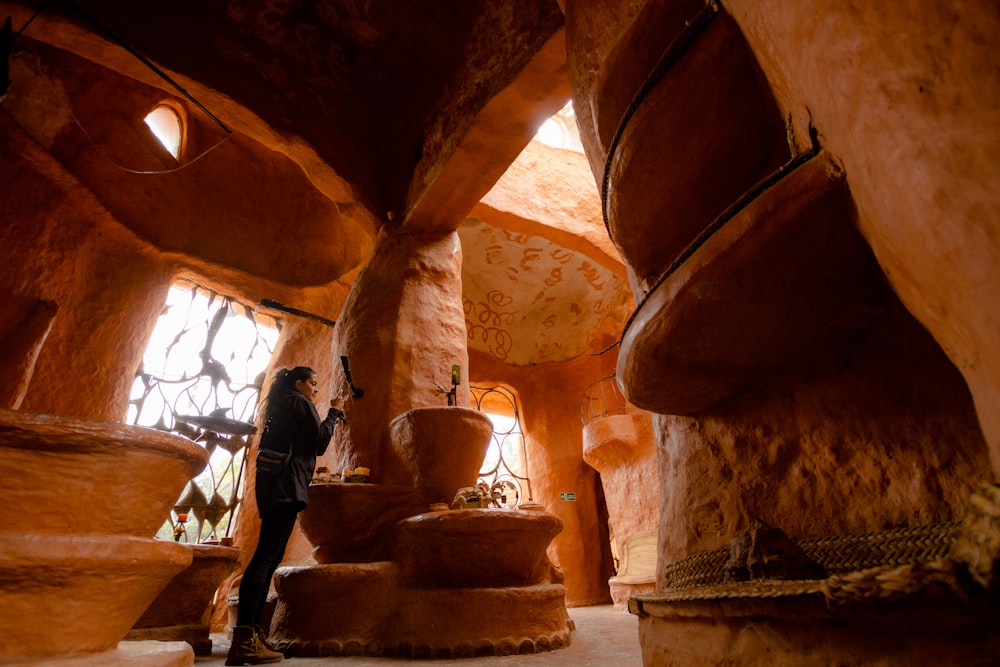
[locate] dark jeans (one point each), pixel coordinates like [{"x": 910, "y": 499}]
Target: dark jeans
[{"x": 275, "y": 530}]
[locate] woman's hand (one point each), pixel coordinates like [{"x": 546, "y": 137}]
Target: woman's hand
[{"x": 337, "y": 413}]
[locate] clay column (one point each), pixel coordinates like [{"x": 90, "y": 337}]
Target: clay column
[{"x": 402, "y": 329}]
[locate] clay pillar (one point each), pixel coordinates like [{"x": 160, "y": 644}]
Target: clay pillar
[
  {"x": 621, "y": 447},
  {"x": 402, "y": 329}
]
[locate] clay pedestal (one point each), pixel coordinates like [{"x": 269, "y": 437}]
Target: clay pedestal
[
  {"x": 437, "y": 449},
  {"x": 182, "y": 611},
  {"x": 396, "y": 579},
  {"x": 445, "y": 584},
  {"x": 925, "y": 627}
]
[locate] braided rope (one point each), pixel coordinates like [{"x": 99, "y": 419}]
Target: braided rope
[
  {"x": 839, "y": 554},
  {"x": 881, "y": 583},
  {"x": 849, "y": 553},
  {"x": 978, "y": 541},
  {"x": 886, "y": 583},
  {"x": 769, "y": 588},
  {"x": 702, "y": 569},
  {"x": 883, "y": 565}
]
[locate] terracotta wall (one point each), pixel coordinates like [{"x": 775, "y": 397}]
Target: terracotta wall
[
  {"x": 622, "y": 448},
  {"x": 878, "y": 436},
  {"x": 59, "y": 243}
]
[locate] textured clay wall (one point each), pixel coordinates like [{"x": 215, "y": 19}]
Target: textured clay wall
[
  {"x": 622, "y": 448},
  {"x": 876, "y": 437},
  {"x": 58, "y": 243}
]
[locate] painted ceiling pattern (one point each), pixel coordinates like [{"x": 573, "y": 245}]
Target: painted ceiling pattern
[{"x": 528, "y": 300}]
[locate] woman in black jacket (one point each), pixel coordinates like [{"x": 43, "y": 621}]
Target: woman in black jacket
[{"x": 292, "y": 439}]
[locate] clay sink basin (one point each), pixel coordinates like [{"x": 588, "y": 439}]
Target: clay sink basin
[
  {"x": 475, "y": 548},
  {"x": 68, "y": 594},
  {"x": 74, "y": 476},
  {"x": 346, "y": 523},
  {"x": 437, "y": 449}
]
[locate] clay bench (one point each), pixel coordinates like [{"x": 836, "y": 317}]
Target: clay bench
[
  {"x": 637, "y": 570},
  {"x": 638, "y": 561}
]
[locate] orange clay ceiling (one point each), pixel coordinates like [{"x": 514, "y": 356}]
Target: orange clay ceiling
[{"x": 310, "y": 124}]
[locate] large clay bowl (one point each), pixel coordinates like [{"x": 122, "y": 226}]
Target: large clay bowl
[
  {"x": 438, "y": 449},
  {"x": 69, "y": 594},
  {"x": 475, "y": 548},
  {"x": 75, "y": 476}
]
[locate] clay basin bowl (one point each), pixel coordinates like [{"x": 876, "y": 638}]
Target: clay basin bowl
[
  {"x": 437, "y": 449},
  {"x": 475, "y": 548},
  {"x": 347, "y": 523},
  {"x": 68, "y": 594},
  {"x": 74, "y": 476}
]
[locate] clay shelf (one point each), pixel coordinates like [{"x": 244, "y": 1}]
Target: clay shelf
[
  {"x": 712, "y": 153},
  {"x": 926, "y": 625},
  {"x": 787, "y": 272}
]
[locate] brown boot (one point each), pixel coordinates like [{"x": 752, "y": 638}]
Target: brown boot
[{"x": 247, "y": 649}]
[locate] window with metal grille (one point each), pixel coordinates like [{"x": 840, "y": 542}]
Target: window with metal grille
[{"x": 200, "y": 377}]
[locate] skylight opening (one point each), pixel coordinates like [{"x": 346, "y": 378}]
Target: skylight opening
[
  {"x": 561, "y": 131},
  {"x": 165, "y": 125},
  {"x": 551, "y": 133}
]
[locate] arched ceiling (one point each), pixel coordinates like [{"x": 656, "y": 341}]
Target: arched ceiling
[
  {"x": 529, "y": 300},
  {"x": 541, "y": 280}
]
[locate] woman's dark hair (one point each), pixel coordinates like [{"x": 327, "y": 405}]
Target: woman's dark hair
[{"x": 284, "y": 382}]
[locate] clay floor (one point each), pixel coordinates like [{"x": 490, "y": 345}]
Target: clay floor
[{"x": 603, "y": 636}]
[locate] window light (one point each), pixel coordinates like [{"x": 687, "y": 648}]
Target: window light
[
  {"x": 560, "y": 131},
  {"x": 165, "y": 124}
]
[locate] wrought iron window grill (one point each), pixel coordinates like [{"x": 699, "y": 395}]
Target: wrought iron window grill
[
  {"x": 602, "y": 398},
  {"x": 201, "y": 378},
  {"x": 506, "y": 458}
]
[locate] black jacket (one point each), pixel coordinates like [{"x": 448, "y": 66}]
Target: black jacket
[{"x": 294, "y": 426}]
